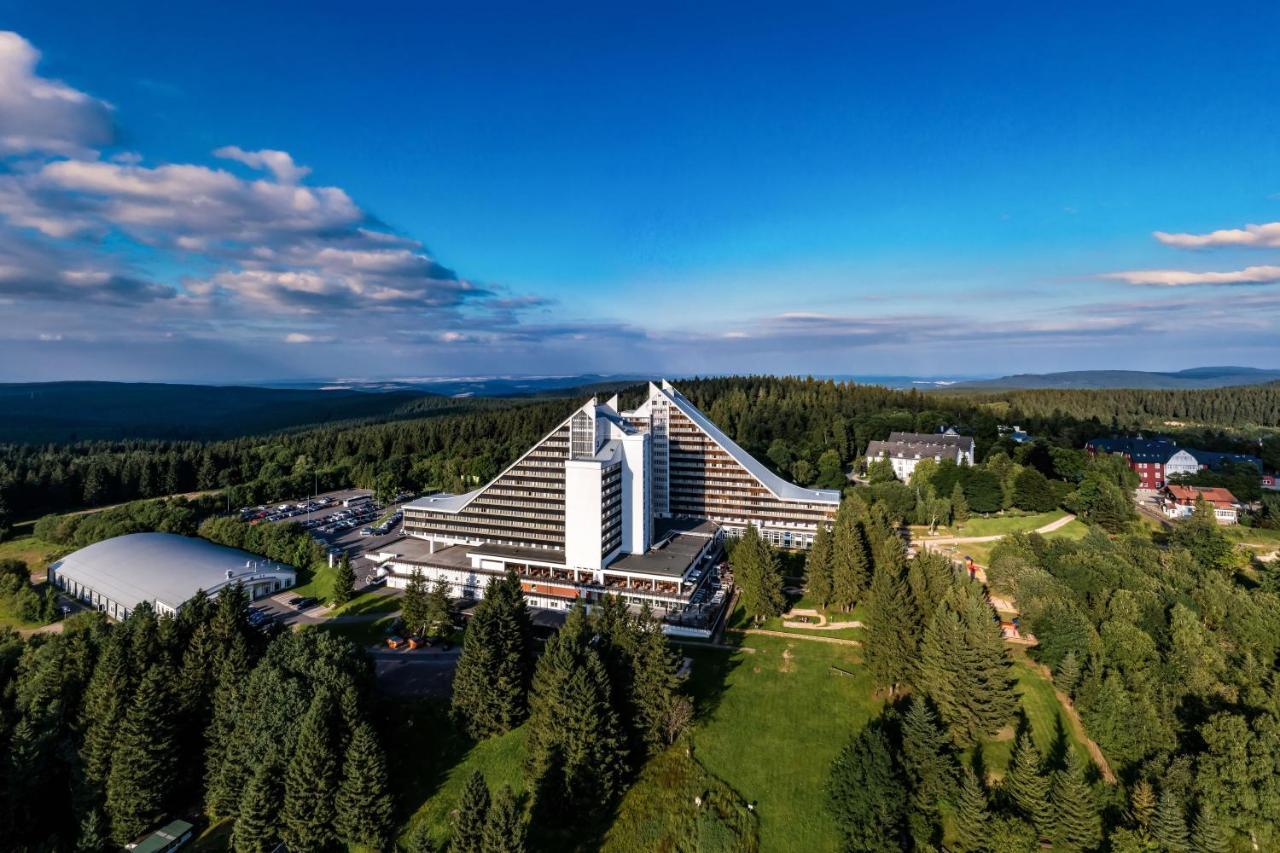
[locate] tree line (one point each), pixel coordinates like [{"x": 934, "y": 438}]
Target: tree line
[
  {"x": 597, "y": 702},
  {"x": 1169, "y": 653},
  {"x": 109, "y": 728},
  {"x": 808, "y": 430}
]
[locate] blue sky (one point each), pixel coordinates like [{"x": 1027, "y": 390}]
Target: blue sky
[{"x": 836, "y": 188}]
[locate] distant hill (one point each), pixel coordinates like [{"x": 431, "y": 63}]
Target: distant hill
[
  {"x": 1196, "y": 377},
  {"x": 42, "y": 412}
]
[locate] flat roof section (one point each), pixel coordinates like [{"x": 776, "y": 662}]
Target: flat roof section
[{"x": 669, "y": 558}]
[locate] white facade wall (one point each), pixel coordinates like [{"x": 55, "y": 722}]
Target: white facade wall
[
  {"x": 637, "y": 509},
  {"x": 582, "y": 529}
]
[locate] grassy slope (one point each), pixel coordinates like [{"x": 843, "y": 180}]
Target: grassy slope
[
  {"x": 771, "y": 725},
  {"x": 431, "y": 763}
]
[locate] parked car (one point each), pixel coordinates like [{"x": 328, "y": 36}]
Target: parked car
[{"x": 304, "y": 603}]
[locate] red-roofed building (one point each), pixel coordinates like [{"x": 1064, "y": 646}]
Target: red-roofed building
[{"x": 1180, "y": 502}]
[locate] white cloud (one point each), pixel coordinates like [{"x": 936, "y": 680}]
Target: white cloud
[
  {"x": 1266, "y": 235},
  {"x": 38, "y": 114},
  {"x": 1187, "y": 278},
  {"x": 279, "y": 163}
]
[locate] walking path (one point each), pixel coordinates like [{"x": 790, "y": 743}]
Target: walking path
[
  {"x": 823, "y": 623},
  {"x": 793, "y": 636},
  {"x": 1056, "y": 524}
]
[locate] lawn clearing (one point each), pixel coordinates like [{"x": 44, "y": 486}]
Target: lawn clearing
[
  {"x": 36, "y": 553},
  {"x": 320, "y": 585},
  {"x": 676, "y": 804},
  {"x": 771, "y": 718}
]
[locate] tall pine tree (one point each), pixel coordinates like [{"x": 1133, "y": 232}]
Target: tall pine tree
[
  {"x": 307, "y": 816},
  {"x": 892, "y": 626},
  {"x": 817, "y": 565},
  {"x": 258, "y": 811},
  {"x": 491, "y": 680},
  {"x": 1207, "y": 835},
  {"x": 344, "y": 583},
  {"x": 965, "y": 666},
  {"x": 929, "y": 764},
  {"x": 467, "y": 835},
  {"x": 850, "y": 561},
  {"x": 1027, "y": 785},
  {"x": 866, "y": 795},
  {"x": 1077, "y": 824},
  {"x": 363, "y": 802},
  {"x": 972, "y": 817},
  {"x": 144, "y": 764},
  {"x": 757, "y": 576},
  {"x": 1169, "y": 825},
  {"x": 505, "y": 830}
]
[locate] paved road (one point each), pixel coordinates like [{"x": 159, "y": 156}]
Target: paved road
[{"x": 416, "y": 672}]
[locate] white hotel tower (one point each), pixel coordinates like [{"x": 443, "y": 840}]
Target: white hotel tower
[{"x": 629, "y": 503}]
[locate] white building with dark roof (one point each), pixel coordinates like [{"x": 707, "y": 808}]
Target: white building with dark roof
[
  {"x": 904, "y": 450},
  {"x": 115, "y": 575}
]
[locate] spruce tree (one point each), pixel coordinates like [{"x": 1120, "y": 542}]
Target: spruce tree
[
  {"x": 1169, "y": 825},
  {"x": 254, "y": 830},
  {"x": 437, "y": 615},
  {"x": 929, "y": 576},
  {"x": 344, "y": 582},
  {"x": 104, "y": 705},
  {"x": 577, "y": 751},
  {"x": 818, "y": 568},
  {"x": 306, "y": 820},
  {"x": 1068, "y": 674},
  {"x": 892, "y": 626},
  {"x": 1142, "y": 805},
  {"x": 1028, "y": 786},
  {"x": 1077, "y": 825},
  {"x": 505, "y": 830},
  {"x": 757, "y": 576},
  {"x": 655, "y": 689},
  {"x": 413, "y": 605},
  {"x": 959, "y": 506},
  {"x": 850, "y": 562},
  {"x": 1207, "y": 835},
  {"x": 865, "y": 793},
  {"x": 224, "y": 770},
  {"x": 93, "y": 836},
  {"x": 930, "y": 767},
  {"x": 491, "y": 680},
  {"x": 363, "y": 803},
  {"x": 144, "y": 764},
  {"x": 972, "y": 817},
  {"x": 473, "y": 813},
  {"x": 965, "y": 666}
]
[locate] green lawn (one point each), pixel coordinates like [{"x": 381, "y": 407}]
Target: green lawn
[
  {"x": 771, "y": 721},
  {"x": 319, "y": 585},
  {"x": 1000, "y": 525},
  {"x": 36, "y": 553},
  {"x": 377, "y": 600},
  {"x": 431, "y": 762},
  {"x": 661, "y": 811}
]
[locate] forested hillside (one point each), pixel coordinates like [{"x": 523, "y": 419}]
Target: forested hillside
[
  {"x": 73, "y": 411},
  {"x": 808, "y": 430},
  {"x": 1234, "y": 408}
]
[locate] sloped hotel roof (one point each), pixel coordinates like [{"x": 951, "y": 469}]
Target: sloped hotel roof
[{"x": 779, "y": 487}]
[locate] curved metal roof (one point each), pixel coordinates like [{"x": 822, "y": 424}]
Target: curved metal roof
[{"x": 162, "y": 567}]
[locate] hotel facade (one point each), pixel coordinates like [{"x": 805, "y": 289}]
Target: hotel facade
[{"x": 609, "y": 502}]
